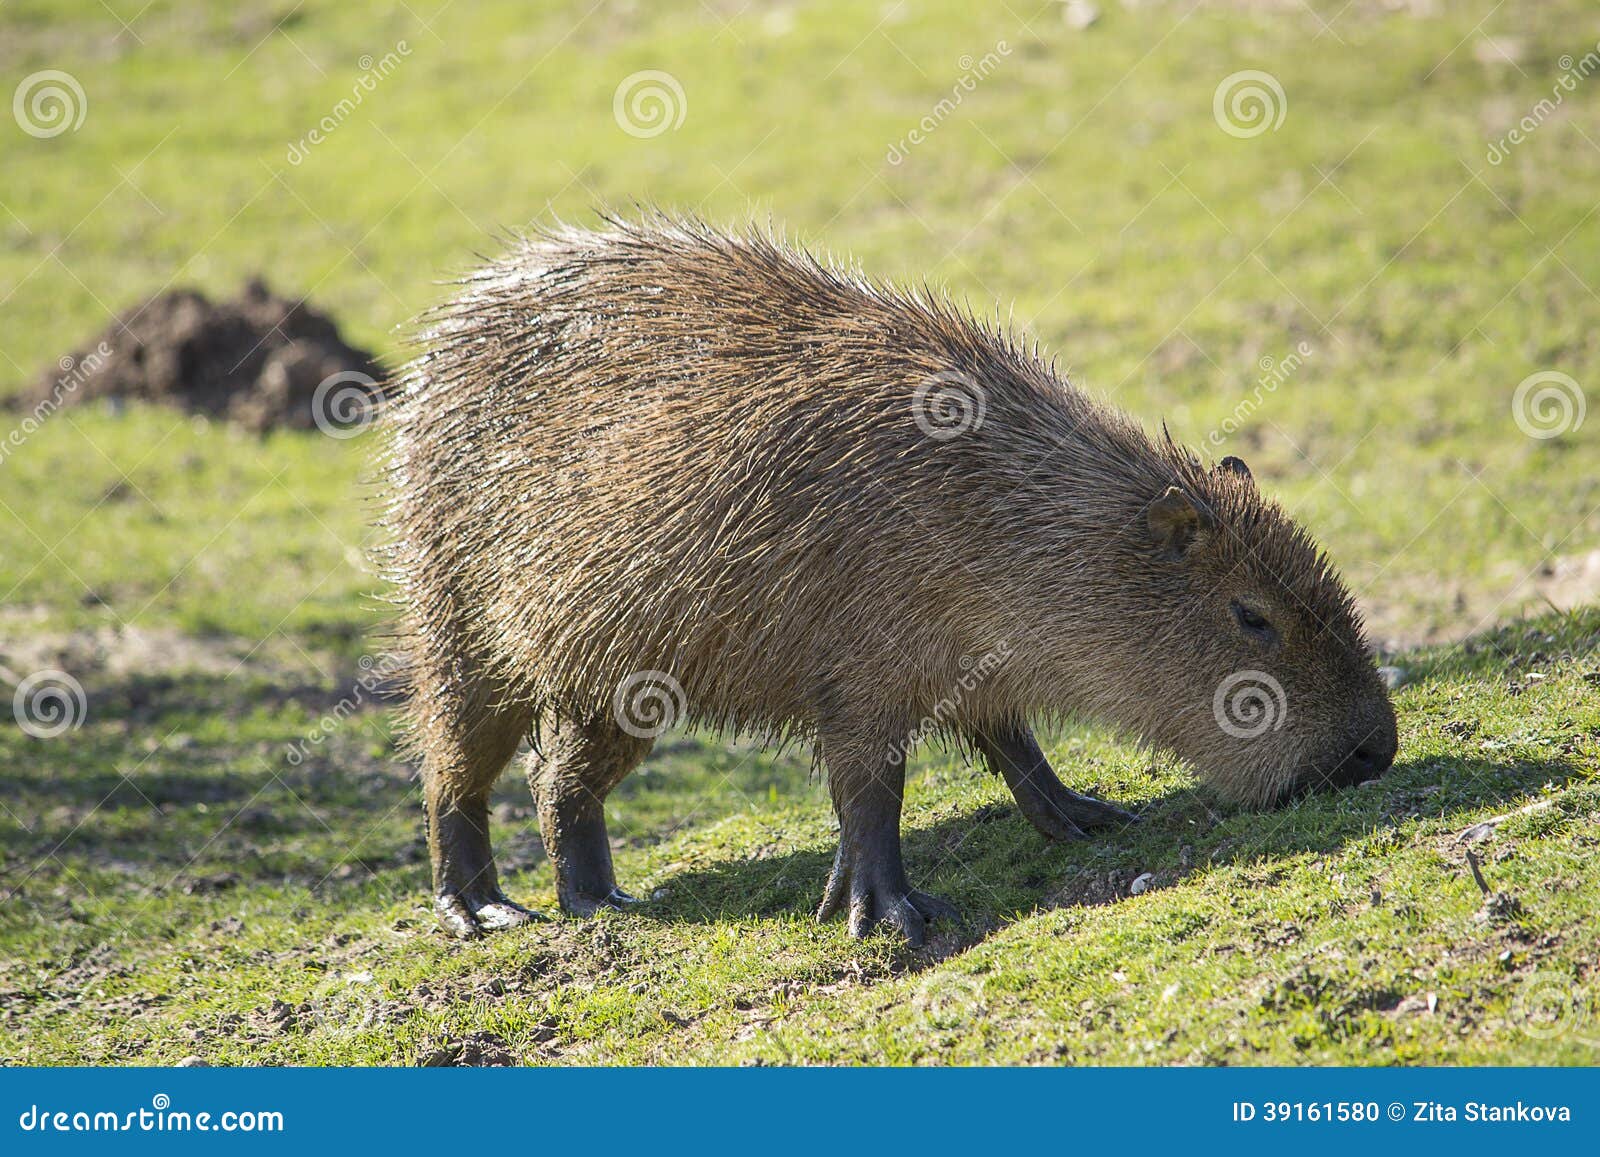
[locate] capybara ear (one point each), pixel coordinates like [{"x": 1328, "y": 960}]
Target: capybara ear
[
  {"x": 1175, "y": 522},
  {"x": 1232, "y": 465}
]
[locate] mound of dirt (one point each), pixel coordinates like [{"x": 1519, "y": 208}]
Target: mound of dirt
[{"x": 260, "y": 360}]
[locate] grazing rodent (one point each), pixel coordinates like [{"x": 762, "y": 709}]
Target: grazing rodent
[{"x": 661, "y": 473}]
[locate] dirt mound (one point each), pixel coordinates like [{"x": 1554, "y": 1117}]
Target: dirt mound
[{"x": 258, "y": 359}]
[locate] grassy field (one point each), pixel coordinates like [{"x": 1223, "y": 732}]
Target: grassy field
[
  {"x": 173, "y": 883},
  {"x": 182, "y": 891}
]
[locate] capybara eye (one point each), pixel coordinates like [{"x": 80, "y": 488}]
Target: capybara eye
[{"x": 1252, "y": 623}]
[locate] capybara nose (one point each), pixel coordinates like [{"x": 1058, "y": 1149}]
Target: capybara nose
[{"x": 1371, "y": 759}]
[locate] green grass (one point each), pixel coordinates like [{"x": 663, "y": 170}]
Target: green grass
[
  {"x": 182, "y": 890},
  {"x": 169, "y": 874},
  {"x": 1084, "y": 181}
]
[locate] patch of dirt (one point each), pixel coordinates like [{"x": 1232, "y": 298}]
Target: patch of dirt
[
  {"x": 1087, "y": 888},
  {"x": 143, "y": 670},
  {"x": 120, "y": 652},
  {"x": 1422, "y": 611},
  {"x": 258, "y": 359},
  {"x": 1356, "y": 9},
  {"x": 476, "y": 1050}
]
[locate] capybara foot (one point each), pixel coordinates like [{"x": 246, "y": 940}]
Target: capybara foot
[
  {"x": 1063, "y": 815},
  {"x": 575, "y": 903},
  {"x": 1088, "y": 812},
  {"x": 881, "y": 898},
  {"x": 1050, "y": 823},
  {"x": 1049, "y": 805},
  {"x": 472, "y": 913}
]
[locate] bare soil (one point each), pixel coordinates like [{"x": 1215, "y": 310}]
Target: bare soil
[{"x": 256, "y": 359}]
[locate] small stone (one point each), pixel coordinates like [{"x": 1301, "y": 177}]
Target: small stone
[
  {"x": 1141, "y": 884},
  {"x": 1498, "y": 51},
  {"x": 1079, "y": 14},
  {"x": 193, "y": 1063}
]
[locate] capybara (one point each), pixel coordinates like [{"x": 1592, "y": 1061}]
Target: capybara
[{"x": 659, "y": 473}]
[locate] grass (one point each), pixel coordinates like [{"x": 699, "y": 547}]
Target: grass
[
  {"x": 193, "y": 895},
  {"x": 173, "y": 884},
  {"x": 1083, "y": 182}
]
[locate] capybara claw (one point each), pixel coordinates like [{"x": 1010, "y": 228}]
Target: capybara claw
[
  {"x": 466, "y": 916},
  {"x": 584, "y": 904},
  {"x": 1075, "y": 818},
  {"x": 1055, "y": 827},
  {"x": 906, "y": 912},
  {"x": 1094, "y": 813},
  {"x": 933, "y": 908},
  {"x": 908, "y": 915}
]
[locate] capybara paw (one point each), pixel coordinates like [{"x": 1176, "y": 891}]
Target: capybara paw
[
  {"x": 1088, "y": 812},
  {"x": 905, "y": 912},
  {"x": 1063, "y": 815},
  {"x": 1052, "y": 825},
  {"x": 465, "y": 915},
  {"x": 577, "y": 903}
]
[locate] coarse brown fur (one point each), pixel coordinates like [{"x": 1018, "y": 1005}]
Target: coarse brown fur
[{"x": 660, "y": 467}]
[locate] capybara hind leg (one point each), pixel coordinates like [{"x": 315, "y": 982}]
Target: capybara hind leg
[
  {"x": 465, "y": 747},
  {"x": 570, "y": 780},
  {"x": 1059, "y": 813},
  {"x": 866, "y": 777}
]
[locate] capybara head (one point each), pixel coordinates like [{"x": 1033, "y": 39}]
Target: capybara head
[{"x": 1272, "y": 688}]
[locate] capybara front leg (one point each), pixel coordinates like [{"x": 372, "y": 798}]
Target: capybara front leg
[
  {"x": 866, "y": 777},
  {"x": 570, "y": 780},
  {"x": 1059, "y": 813}
]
